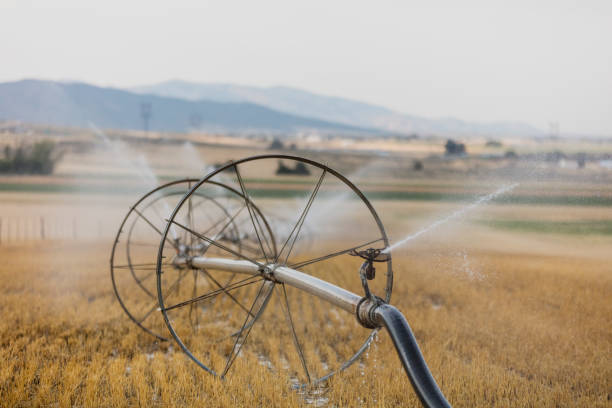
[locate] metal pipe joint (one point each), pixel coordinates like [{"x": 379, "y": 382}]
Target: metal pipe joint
[{"x": 366, "y": 311}]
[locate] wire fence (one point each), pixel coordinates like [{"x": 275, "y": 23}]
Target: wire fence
[{"x": 32, "y": 228}]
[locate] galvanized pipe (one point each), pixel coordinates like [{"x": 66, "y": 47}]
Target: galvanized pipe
[
  {"x": 383, "y": 314},
  {"x": 317, "y": 287}
]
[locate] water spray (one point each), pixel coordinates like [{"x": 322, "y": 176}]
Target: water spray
[
  {"x": 460, "y": 212},
  {"x": 226, "y": 252}
]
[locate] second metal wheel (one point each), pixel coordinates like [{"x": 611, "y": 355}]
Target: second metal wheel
[{"x": 134, "y": 253}]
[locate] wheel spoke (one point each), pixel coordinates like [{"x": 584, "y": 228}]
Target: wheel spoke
[
  {"x": 221, "y": 246},
  {"x": 265, "y": 239},
  {"x": 332, "y": 255},
  {"x": 227, "y": 224},
  {"x": 233, "y": 286},
  {"x": 132, "y": 243},
  {"x": 151, "y": 270},
  {"x": 154, "y": 208},
  {"x": 229, "y": 280},
  {"x": 247, "y": 202},
  {"x": 213, "y": 280},
  {"x": 298, "y": 226},
  {"x": 139, "y": 267},
  {"x": 214, "y": 299},
  {"x": 147, "y": 276},
  {"x": 249, "y": 247},
  {"x": 266, "y": 290},
  {"x": 221, "y": 220},
  {"x": 193, "y": 294},
  {"x": 141, "y": 215},
  {"x": 171, "y": 289},
  {"x": 189, "y": 214},
  {"x": 296, "y": 342},
  {"x": 254, "y": 249},
  {"x": 140, "y": 284},
  {"x": 237, "y": 333}
]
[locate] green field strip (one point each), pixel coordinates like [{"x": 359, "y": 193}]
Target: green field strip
[
  {"x": 586, "y": 227},
  {"x": 66, "y": 188},
  {"x": 571, "y": 200}
]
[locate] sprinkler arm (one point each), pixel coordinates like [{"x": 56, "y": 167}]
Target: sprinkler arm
[{"x": 370, "y": 312}]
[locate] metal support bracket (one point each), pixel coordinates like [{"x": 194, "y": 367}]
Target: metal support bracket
[{"x": 368, "y": 304}]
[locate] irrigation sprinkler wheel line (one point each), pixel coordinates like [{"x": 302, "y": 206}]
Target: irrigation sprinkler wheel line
[
  {"x": 324, "y": 170},
  {"x": 130, "y": 264},
  {"x": 113, "y": 267},
  {"x": 129, "y": 255},
  {"x": 133, "y": 225}
]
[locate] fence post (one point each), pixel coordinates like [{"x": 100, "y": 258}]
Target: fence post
[{"x": 42, "y": 228}]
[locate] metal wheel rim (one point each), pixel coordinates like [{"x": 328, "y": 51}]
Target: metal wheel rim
[
  {"x": 121, "y": 230},
  {"x": 325, "y": 168}
]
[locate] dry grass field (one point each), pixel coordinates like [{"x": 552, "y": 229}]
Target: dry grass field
[
  {"x": 535, "y": 333},
  {"x": 510, "y": 303}
]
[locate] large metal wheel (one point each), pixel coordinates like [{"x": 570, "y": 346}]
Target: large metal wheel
[
  {"x": 287, "y": 330},
  {"x": 134, "y": 253}
]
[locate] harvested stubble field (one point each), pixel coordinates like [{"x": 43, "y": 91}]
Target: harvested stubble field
[
  {"x": 511, "y": 308},
  {"x": 535, "y": 332}
]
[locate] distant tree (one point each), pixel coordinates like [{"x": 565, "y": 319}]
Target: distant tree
[
  {"x": 493, "y": 143},
  {"x": 282, "y": 168},
  {"x": 300, "y": 169},
  {"x": 581, "y": 160},
  {"x": 510, "y": 154},
  {"x": 555, "y": 156},
  {"x": 41, "y": 158},
  {"x": 37, "y": 159},
  {"x": 276, "y": 144},
  {"x": 19, "y": 160},
  {"x": 454, "y": 148}
]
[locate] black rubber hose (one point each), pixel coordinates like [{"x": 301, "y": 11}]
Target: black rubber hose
[{"x": 409, "y": 353}]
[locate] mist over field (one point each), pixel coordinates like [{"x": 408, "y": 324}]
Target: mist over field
[
  {"x": 214, "y": 204},
  {"x": 481, "y": 236}
]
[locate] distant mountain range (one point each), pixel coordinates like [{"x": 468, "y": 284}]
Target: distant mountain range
[
  {"x": 79, "y": 104},
  {"x": 334, "y": 109},
  {"x": 178, "y": 106}
]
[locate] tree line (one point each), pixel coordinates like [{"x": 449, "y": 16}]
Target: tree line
[{"x": 39, "y": 158}]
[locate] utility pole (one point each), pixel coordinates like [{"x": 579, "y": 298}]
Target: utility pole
[
  {"x": 554, "y": 129},
  {"x": 196, "y": 121},
  {"x": 145, "y": 113}
]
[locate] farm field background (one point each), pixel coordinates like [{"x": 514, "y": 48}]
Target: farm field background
[{"x": 510, "y": 302}]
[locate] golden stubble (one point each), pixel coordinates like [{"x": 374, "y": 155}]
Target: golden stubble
[{"x": 534, "y": 332}]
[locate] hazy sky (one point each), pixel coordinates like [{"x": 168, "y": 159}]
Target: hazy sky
[{"x": 535, "y": 61}]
